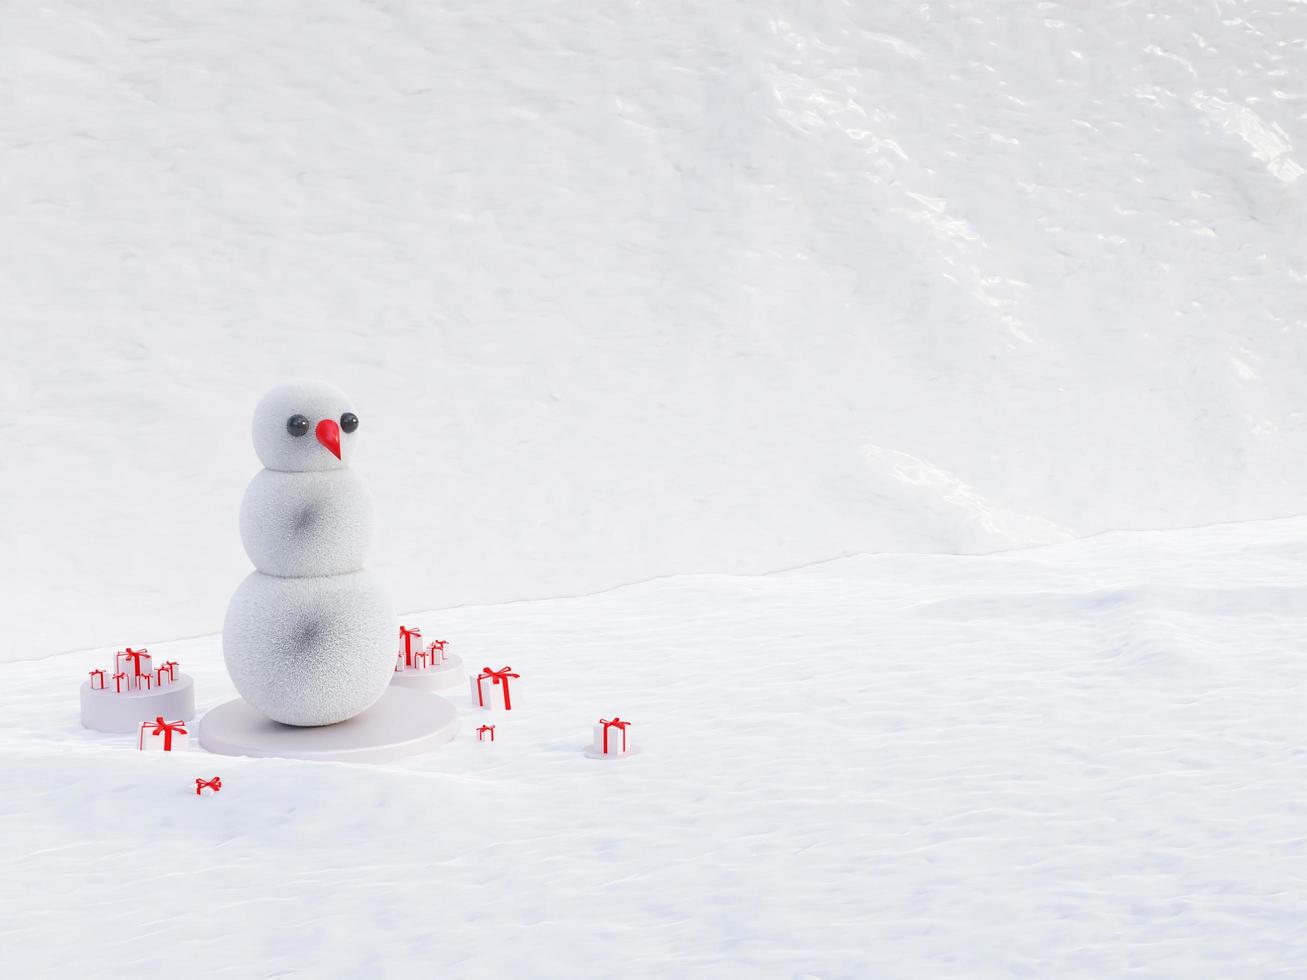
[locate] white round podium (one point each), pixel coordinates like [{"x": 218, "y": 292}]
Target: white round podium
[
  {"x": 108, "y": 711},
  {"x": 448, "y": 674},
  {"x": 402, "y": 723}
]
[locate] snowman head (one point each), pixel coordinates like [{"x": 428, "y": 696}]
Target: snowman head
[{"x": 301, "y": 426}]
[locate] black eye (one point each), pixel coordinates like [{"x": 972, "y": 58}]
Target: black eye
[
  {"x": 349, "y": 422},
  {"x": 297, "y": 425}
]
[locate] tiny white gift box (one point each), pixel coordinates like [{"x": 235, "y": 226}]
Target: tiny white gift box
[
  {"x": 491, "y": 690},
  {"x": 163, "y": 736},
  {"x": 613, "y": 737}
]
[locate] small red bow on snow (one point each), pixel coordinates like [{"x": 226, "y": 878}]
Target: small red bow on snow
[{"x": 214, "y": 784}]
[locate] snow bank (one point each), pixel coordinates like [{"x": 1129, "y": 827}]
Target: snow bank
[{"x": 1076, "y": 761}]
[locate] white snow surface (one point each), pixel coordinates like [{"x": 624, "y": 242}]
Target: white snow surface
[
  {"x": 639, "y": 288},
  {"x": 1081, "y": 760}
]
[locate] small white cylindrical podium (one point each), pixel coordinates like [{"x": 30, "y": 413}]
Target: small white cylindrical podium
[
  {"x": 109, "y": 711},
  {"x": 448, "y": 674}
]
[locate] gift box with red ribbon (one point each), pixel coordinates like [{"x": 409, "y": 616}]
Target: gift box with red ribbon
[
  {"x": 483, "y": 731},
  {"x": 97, "y": 680},
  {"x": 137, "y": 661},
  {"x": 145, "y": 682},
  {"x": 437, "y": 651},
  {"x": 612, "y": 737},
  {"x": 407, "y": 647},
  {"x": 490, "y": 688},
  {"x": 122, "y": 683},
  {"x": 163, "y": 736},
  {"x": 171, "y": 667}
]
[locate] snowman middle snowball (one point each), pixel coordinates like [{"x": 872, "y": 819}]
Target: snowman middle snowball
[{"x": 308, "y": 637}]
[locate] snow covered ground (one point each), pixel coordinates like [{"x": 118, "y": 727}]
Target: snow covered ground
[
  {"x": 639, "y": 289},
  {"x": 1081, "y": 760}
]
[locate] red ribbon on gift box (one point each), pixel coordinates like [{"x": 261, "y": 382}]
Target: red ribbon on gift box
[
  {"x": 93, "y": 673},
  {"x": 135, "y": 657},
  {"x": 167, "y": 729},
  {"x": 214, "y": 784},
  {"x": 438, "y": 647},
  {"x": 482, "y": 731},
  {"x": 618, "y": 724},
  {"x": 500, "y": 676},
  {"x": 118, "y": 683},
  {"x": 407, "y": 636},
  {"x": 171, "y": 667}
]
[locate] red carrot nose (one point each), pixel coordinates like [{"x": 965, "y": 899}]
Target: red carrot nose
[{"x": 328, "y": 433}]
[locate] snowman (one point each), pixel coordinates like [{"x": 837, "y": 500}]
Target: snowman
[{"x": 308, "y": 637}]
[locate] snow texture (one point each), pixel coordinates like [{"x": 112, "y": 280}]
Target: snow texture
[
  {"x": 1079, "y": 761},
  {"x": 307, "y": 523},
  {"x": 649, "y": 289},
  {"x": 310, "y": 651}
]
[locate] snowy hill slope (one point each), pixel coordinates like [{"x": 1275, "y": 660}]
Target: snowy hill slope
[
  {"x": 662, "y": 288},
  {"x": 1083, "y": 760}
]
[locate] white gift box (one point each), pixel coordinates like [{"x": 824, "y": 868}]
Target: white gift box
[
  {"x": 97, "y": 680},
  {"x": 618, "y": 737},
  {"x": 129, "y": 664},
  {"x": 491, "y": 689},
  {"x": 122, "y": 683},
  {"x": 439, "y": 651},
  {"x": 163, "y": 736},
  {"x": 410, "y": 642}
]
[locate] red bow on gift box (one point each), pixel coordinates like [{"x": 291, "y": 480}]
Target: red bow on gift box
[
  {"x": 500, "y": 676},
  {"x": 483, "y": 729},
  {"x": 214, "y": 784},
  {"x": 118, "y": 682},
  {"x": 618, "y": 724},
  {"x": 135, "y": 657},
  {"x": 93, "y": 673},
  {"x": 167, "y": 729},
  {"x": 407, "y": 636},
  {"x": 171, "y": 667}
]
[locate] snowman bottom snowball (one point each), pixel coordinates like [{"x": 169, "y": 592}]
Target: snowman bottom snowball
[{"x": 310, "y": 651}]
